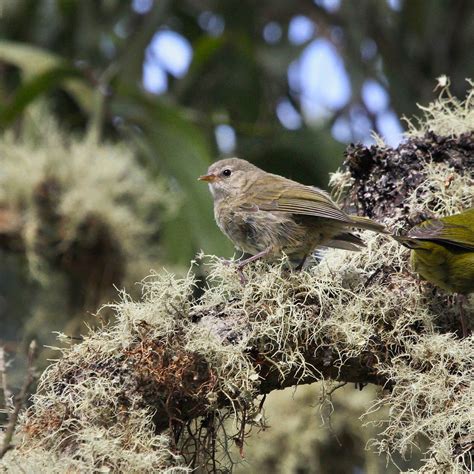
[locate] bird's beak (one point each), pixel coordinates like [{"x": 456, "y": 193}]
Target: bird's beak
[{"x": 207, "y": 177}]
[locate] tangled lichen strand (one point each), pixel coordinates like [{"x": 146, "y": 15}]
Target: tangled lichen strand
[
  {"x": 443, "y": 192},
  {"x": 90, "y": 414},
  {"x": 447, "y": 115},
  {"x": 174, "y": 362},
  {"x": 432, "y": 400}
]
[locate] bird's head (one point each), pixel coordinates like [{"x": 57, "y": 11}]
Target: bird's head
[{"x": 230, "y": 177}]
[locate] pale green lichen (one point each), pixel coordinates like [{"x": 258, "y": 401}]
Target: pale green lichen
[
  {"x": 447, "y": 115},
  {"x": 432, "y": 401},
  {"x": 273, "y": 313},
  {"x": 443, "y": 191}
]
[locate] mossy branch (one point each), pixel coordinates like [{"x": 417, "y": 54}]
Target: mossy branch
[
  {"x": 188, "y": 363},
  {"x": 153, "y": 390}
]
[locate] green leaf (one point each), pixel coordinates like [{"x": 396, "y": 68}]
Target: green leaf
[
  {"x": 32, "y": 89},
  {"x": 33, "y": 61}
]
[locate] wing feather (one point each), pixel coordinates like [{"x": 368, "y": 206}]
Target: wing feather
[
  {"x": 436, "y": 230},
  {"x": 282, "y": 195}
]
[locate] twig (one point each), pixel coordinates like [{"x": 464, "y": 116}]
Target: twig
[
  {"x": 3, "y": 377},
  {"x": 20, "y": 400},
  {"x": 327, "y": 397},
  {"x": 333, "y": 389}
]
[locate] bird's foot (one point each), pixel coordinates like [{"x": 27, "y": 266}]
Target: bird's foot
[
  {"x": 238, "y": 269},
  {"x": 240, "y": 273},
  {"x": 253, "y": 258}
]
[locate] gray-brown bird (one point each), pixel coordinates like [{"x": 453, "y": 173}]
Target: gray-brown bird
[{"x": 265, "y": 215}]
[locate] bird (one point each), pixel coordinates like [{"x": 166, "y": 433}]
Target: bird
[
  {"x": 266, "y": 215},
  {"x": 442, "y": 252}
]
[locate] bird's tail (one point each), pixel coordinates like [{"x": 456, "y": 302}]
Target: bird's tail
[
  {"x": 408, "y": 242},
  {"x": 346, "y": 241},
  {"x": 366, "y": 223}
]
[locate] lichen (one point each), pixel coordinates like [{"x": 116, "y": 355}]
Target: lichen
[
  {"x": 82, "y": 179},
  {"x": 161, "y": 350},
  {"x": 184, "y": 366},
  {"x": 447, "y": 115}
]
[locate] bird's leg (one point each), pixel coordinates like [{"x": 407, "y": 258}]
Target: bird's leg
[
  {"x": 257, "y": 256},
  {"x": 300, "y": 265},
  {"x": 461, "y": 300},
  {"x": 228, "y": 262},
  {"x": 251, "y": 259}
]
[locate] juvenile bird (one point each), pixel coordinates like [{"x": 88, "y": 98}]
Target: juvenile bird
[
  {"x": 442, "y": 252},
  {"x": 265, "y": 214}
]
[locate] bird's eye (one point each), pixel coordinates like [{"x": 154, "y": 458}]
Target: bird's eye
[{"x": 227, "y": 172}]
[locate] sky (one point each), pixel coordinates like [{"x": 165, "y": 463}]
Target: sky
[{"x": 320, "y": 94}]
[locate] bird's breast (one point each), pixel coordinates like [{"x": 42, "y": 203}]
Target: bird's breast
[
  {"x": 253, "y": 230},
  {"x": 451, "y": 271},
  {"x": 240, "y": 227}
]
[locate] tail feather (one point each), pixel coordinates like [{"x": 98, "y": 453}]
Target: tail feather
[
  {"x": 408, "y": 242},
  {"x": 346, "y": 241},
  {"x": 366, "y": 223}
]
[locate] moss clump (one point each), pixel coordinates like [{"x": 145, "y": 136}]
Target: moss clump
[
  {"x": 182, "y": 366},
  {"x": 63, "y": 190}
]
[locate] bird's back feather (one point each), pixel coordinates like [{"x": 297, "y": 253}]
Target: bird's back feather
[{"x": 446, "y": 231}]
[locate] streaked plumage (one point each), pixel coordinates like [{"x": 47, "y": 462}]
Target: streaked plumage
[{"x": 266, "y": 213}]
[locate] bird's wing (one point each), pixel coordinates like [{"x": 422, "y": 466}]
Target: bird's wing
[
  {"x": 284, "y": 195},
  {"x": 436, "y": 230}
]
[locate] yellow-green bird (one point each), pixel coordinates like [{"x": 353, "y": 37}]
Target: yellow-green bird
[{"x": 443, "y": 253}]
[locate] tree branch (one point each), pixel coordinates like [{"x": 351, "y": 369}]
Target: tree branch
[{"x": 355, "y": 317}]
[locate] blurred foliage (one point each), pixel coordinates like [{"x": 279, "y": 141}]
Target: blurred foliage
[{"x": 78, "y": 220}]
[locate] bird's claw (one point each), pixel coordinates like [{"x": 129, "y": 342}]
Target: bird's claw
[{"x": 241, "y": 275}]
